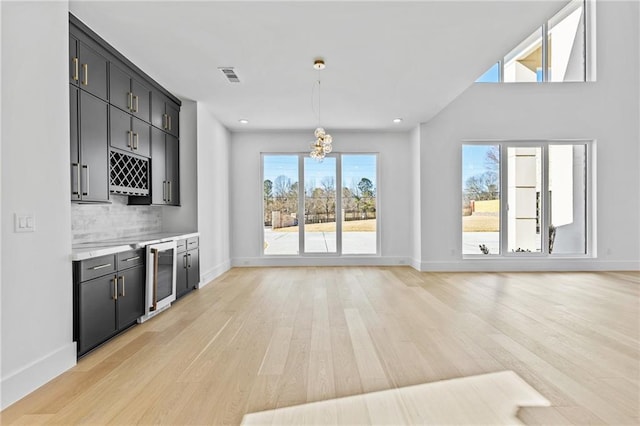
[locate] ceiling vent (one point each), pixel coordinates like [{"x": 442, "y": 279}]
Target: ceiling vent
[{"x": 230, "y": 74}]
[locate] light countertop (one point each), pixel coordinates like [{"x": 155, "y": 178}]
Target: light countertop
[{"x": 83, "y": 251}]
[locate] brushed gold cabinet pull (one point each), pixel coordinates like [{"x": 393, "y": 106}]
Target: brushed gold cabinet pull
[
  {"x": 135, "y": 141},
  {"x": 165, "y": 121},
  {"x": 189, "y": 263},
  {"x": 164, "y": 190},
  {"x": 129, "y": 101},
  {"x": 184, "y": 261},
  {"x": 135, "y": 103},
  {"x": 85, "y": 73},
  {"x": 115, "y": 288},
  {"x": 86, "y": 180},
  {"x": 75, "y": 69},
  {"x": 169, "y": 118},
  {"x": 95, "y": 268},
  {"x": 169, "y": 191},
  {"x": 129, "y": 133},
  {"x": 123, "y": 288},
  {"x": 77, "y": 166}
]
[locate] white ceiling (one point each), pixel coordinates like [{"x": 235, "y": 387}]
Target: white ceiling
[{"x": 385, "y": 59}]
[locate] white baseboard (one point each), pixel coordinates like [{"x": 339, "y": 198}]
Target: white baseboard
[
  {"x": 213, "y": 273},
  {"x": 29, "y": 378},
  {"x": 320, "y": 261},
  {"x": 526, "y": 265}
]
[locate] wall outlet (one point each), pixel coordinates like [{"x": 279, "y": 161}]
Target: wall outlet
[{"x": 24, "y": 222}]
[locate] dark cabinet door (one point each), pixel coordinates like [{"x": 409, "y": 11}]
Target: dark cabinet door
[
  {"x": 141, "y": 100},
  {"x": 141, "y": 137},
  {"x": 173, "y": 118},
  {"x": 94, "y": 168},
  {"x": 182, "y": 282},
  {"x": 74, "y": 61},
  {"x": 75, "y": 149},
  {"x": 157, "y": 110},
  {"x": 130, "y": 295},
  {"x": 173, "y": 170},
  {"x": 93, "y": 71},
  {"x": 120, "y": 126},
  {"x": 193, "y": 268},
  {"x": 120, "y": 88},
  {"x": 97, "y": 311},
  {"x": 158, "y": 167}
]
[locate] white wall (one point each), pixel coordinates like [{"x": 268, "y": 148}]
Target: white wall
[
  {"x": 394, "y": 192},
  {"x": 606, "y": 111},
  {"x": 213, "y": 194},
  {"x": 416, "y": 198},
  {"x": 37, "y": 297}
]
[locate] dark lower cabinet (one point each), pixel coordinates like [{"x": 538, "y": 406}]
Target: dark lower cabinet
[
  {"x": 97, "y": 320},
  {"x": 106, "y": 305},
  {"x": 188, "y": 268}
]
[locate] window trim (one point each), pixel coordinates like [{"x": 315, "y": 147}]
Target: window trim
[{"x": 590, "y": 175}]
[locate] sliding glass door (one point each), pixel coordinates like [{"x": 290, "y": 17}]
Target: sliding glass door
[{"x": 320, "y": 208}]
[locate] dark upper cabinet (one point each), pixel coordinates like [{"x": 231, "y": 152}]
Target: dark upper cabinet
[
  {"x": 88, "y": 69},
  {"x": 128, "y": 133},
  {"x": 158, "y": 167},
  {"x": 75, "y": 148},
  {"x": 89, "y": 147},
  {"x": 165, "y": 175},
  {"x": 165, "y": 114},
  {"x": 173, "y": 170},
  {"x": 129, "y": 94}
]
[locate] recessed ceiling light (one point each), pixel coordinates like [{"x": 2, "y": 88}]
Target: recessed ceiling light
[
  {"x": 243, "y": 121},
  {"x": 397, "y": 120}
]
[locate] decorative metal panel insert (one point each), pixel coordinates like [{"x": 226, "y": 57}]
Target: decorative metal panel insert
[{"x": 129, "y": 175}]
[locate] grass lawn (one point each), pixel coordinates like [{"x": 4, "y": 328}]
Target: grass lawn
[
  {"x": 368, "y": 225},
  {"x": 480, "y": 223}
]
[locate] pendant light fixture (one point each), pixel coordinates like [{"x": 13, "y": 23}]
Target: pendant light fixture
[{"x": 322, "y": 145}]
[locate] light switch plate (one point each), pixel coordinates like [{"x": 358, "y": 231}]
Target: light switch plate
[{"x": 24, "y": 222}]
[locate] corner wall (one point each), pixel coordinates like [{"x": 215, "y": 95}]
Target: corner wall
[
  {"x": 213, "y": 161},
  {"x": 37, "y": 310},
  {"x": 606, "y": 111}
]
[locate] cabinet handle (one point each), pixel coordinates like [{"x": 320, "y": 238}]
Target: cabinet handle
[
  {"x": 156, "y": 255},
  {"x": 135, "y": 99},
  {"x": 115, "y": 288},
  {"x": 85, "y": 73},
  {"x": 165, "y": 122},
  {"x": 164, "y": 190},
  {"x": 77, "y": 166},
  {"x": 131, "y": 259},
  {"x": 130, "y": 101},
  {"x": 168, "y": 191},
  {"x": 169, "y": 119},
  {"x": 75, "y": 69},
  {"x": 135, "y": 141},
  {"x": 123, "y": 289},
  {"x": 106, "y": 265},
  {"x": 189, "y": 263},
  {"x": 129, "y": 136},
  {"x": 184, "y": 261},
  {"x": 86, "y": 180}
]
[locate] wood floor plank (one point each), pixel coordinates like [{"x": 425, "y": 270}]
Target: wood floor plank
[{"x": 315, "y": 339}]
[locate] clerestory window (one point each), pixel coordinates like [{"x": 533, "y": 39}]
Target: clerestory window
[{"x": 558, "y": 51}]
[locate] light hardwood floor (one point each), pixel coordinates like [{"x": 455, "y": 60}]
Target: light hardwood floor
[{"x": 262, "y": 338}]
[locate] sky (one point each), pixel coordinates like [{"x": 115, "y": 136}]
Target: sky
[
  {"x": 354, "y": 168},
  {"x": 473, "y": 160}
]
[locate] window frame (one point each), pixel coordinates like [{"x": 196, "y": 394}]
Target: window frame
[
  {"x": 301, "y": 198},
  {"x": 589, "y": 172}
]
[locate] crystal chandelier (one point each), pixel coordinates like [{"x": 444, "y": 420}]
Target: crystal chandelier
[{"x": 322, "y": 145}]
